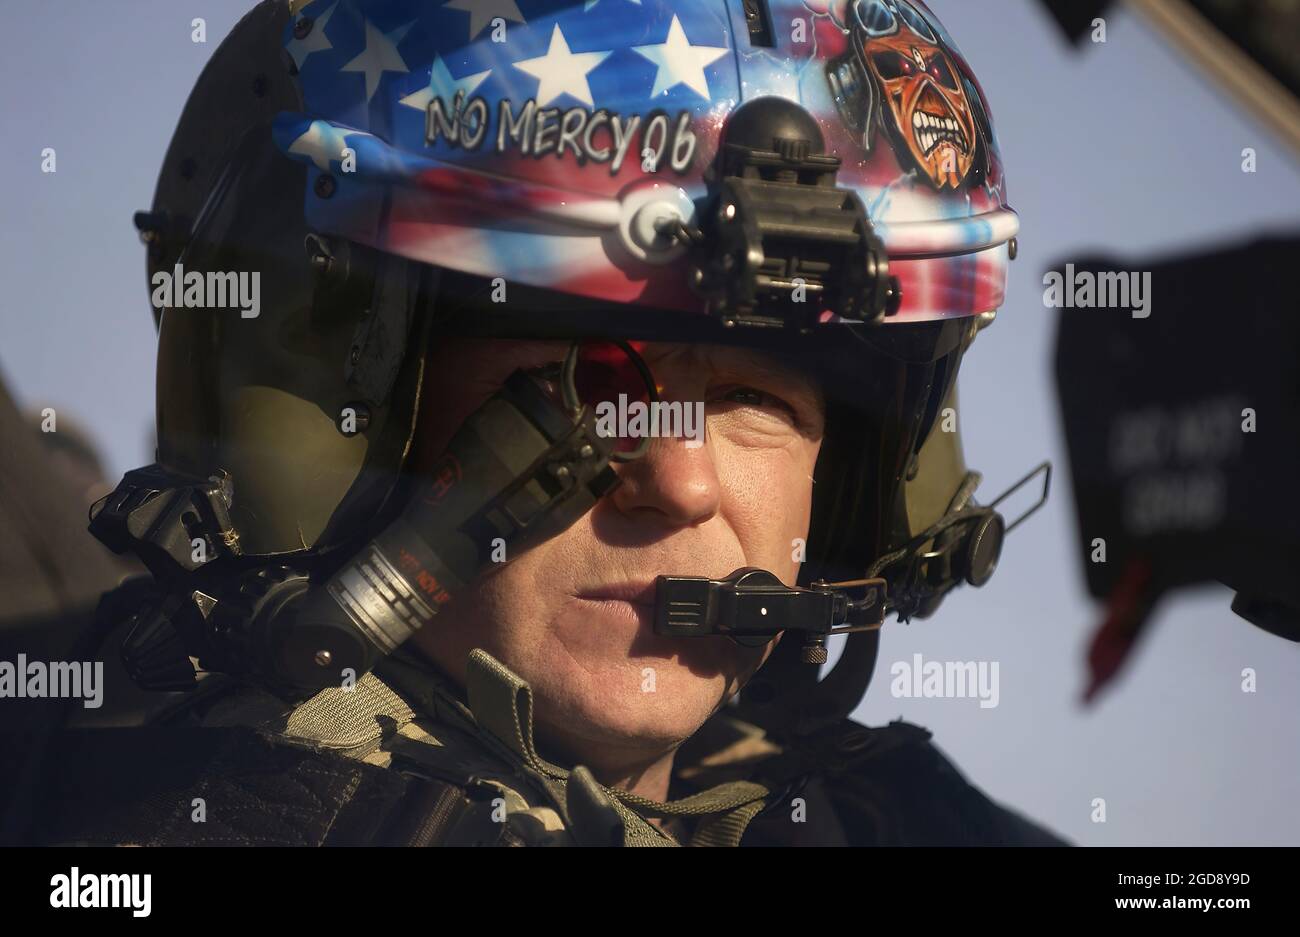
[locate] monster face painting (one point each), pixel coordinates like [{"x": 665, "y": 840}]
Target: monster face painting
[
  {"x": 919, "y": 88},
  {"x": 897, "y": 55}
]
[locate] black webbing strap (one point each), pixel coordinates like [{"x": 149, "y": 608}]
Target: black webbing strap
[{"x": 232, "y": 787}]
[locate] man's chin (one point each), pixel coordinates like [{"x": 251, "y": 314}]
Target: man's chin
[
  {"x": 638, "y": 703},
  {"x": 618, "y": 727}
]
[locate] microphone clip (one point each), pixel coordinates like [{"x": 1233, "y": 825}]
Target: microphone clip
[{"x": 752, "y": 606}]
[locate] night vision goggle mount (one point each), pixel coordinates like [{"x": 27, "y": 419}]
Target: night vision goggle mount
[{"x": 781, "y": 244}]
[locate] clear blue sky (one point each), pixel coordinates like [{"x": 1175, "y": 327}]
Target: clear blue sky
[{"x": 1118, "y": 147}]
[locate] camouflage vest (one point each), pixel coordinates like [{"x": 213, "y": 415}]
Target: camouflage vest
[
  {"x": 406, "y": 758},
  {"x": 487, "y": 784}
]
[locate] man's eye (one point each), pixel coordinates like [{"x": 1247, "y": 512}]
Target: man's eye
[
  {"x": 745, "y": 395},
  {"x": 752, "y": 397}
]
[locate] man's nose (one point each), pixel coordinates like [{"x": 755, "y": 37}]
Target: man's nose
[{"x": 675, "y": 484}]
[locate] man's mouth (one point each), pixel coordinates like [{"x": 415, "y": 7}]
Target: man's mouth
[
  {"x": 633, "y": 593},
  {"x": 610, "y": 613}
]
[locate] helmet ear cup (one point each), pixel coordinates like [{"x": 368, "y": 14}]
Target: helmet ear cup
[
  {"x": 263, "y": 398},
  {"x": 863, "y": 460},
  {"x": 846, "y": 528},
  {"x": 878, "y": 466}
]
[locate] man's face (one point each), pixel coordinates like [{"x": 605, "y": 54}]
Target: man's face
[{"x": 574, "y": 615}]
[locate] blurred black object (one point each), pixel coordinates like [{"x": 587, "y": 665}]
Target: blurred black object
[
  {"x": 1075, "y": 16},
  {"x": 1266, "y": 30},
  {"x": 1183, "y": 432},
  {"x": 1251, "y": 48}
]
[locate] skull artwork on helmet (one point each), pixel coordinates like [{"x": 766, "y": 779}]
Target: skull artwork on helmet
[{"x": 920, "y": 89}]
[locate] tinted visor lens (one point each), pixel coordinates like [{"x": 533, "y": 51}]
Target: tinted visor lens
[{"x": 614, "y": 381}]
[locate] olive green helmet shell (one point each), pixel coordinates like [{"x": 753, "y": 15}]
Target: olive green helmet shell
[{"x": 262, "y": 398}]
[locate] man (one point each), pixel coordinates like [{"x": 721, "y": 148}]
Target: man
[
  {"x": 440, "y": 586},
  {"x": 575, "y": 613}
]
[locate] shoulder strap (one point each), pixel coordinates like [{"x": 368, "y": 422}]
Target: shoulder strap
[{"x": 229, "y": 787}]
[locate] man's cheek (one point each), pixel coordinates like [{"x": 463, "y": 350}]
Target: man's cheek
[
  {"x": 784, "y": 535},
  {"x": 771, "y": 502}
]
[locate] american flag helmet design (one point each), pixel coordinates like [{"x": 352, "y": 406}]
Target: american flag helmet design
[{"x": 539, "y": 140}]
